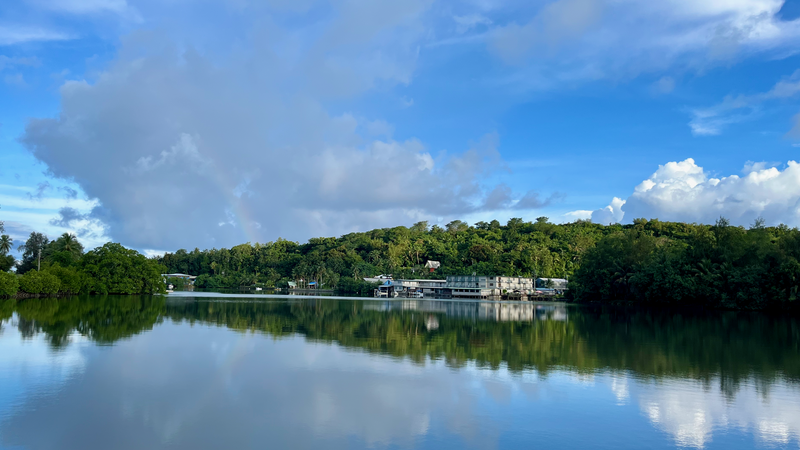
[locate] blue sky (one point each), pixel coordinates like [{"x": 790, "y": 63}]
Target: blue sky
[{"x": 170, "y": 124}]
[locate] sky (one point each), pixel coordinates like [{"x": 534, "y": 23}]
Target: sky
[{"x": 167, "y": 124}]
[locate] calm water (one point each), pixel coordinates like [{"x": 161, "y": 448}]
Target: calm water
[{"x": 198, "y": 372}]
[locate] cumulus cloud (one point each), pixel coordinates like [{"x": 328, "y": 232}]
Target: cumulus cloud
[
  {"x": 684, "y": 191},
  {"x": 610, "y": 214},
  {"x": 182, "y": 150},
  {"x": 733, "y": 109}
]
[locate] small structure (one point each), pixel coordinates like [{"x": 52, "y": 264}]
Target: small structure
[
  {"x": 387, "y": 290},
  {"x": 418, "y": 288},
  {"x": 432, "y": 265},
  {"x": 378, "y": 279}
]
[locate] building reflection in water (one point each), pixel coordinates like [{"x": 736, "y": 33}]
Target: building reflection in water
[{"x": 494, "y": 311}]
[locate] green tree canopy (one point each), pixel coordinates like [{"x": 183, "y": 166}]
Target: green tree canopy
[{"x": 114, "y": 269}]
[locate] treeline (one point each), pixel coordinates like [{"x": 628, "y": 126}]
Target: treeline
[
  {"x": 60, "y": 267},
  {"x": 653, "y": 262},
  {"x": 518, "y": 248},
  {"x": 650, "y": 262}
]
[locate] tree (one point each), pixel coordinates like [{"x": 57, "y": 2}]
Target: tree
[
  {"x": 68, "y": 242},
  {"x": 457, "y": 226},
  {"x": 36, "y": 243},
  {"x": 65, "y": 251},
  {"x": 6, "y": 260},
  {"x": 5, "y": 244},
  {"x": 114, "y": 269}
]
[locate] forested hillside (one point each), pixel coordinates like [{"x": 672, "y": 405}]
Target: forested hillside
[
  {"x": 518, "y": 248},
  {"x": 645, "y": 262}
]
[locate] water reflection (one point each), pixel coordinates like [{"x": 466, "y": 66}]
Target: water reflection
[{"x": 137, "y": 372}]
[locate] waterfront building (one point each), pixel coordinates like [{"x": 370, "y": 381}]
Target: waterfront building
[
  {"x": 483, "y": 287},
  {"x": 408, "y": 288}
]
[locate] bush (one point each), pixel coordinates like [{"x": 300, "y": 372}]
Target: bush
[
  {"x": 72, "y": 281},
  {"x": 34, "y": 282},
  {"x": 9, "y": 284}
]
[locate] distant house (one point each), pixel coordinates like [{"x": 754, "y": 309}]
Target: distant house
[{"x": 432, "y": 265}]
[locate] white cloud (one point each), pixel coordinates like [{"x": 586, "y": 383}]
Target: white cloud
[
  {"x": 610, "y": 214},
  {"x": 572, "y": 41},
  {"x": 581, "y": 214},
  {"x": 15, "y": 34},
  {"x": 683, "y": 191},
  {"x": 248, "y": 144},
  {"x": 85, "y": 7},
  {"x": 733, "y": 109}
]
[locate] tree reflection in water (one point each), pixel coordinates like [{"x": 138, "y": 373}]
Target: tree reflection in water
[
  {"x": 728, "y": 346},
  {"x": 688, "y": 372}
]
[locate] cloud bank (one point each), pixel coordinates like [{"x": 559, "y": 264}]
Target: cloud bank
[
  {"x": 183, "y": 150},
  {"x": 683, "y": 191}
]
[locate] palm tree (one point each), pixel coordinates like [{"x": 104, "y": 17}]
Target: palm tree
[
  {"x": 5, "y": 244},
  {"x": 69, "y": 242}
]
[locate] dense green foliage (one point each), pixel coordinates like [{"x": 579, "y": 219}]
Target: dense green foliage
[
  {"x": 72, "y": 281},
  {"x": 676, "y": 263},
  {"x": 114, "y": 269},
  {"x": 515, "y": 249},
  {"x": 66, "y": 270},
  {"x": 647, "y": 261},
  {"x": 9, "y": 285},
  {"x": 35, "y": 282}
]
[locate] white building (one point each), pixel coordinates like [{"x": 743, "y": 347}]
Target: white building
[{"x": 477, "y": 287}]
